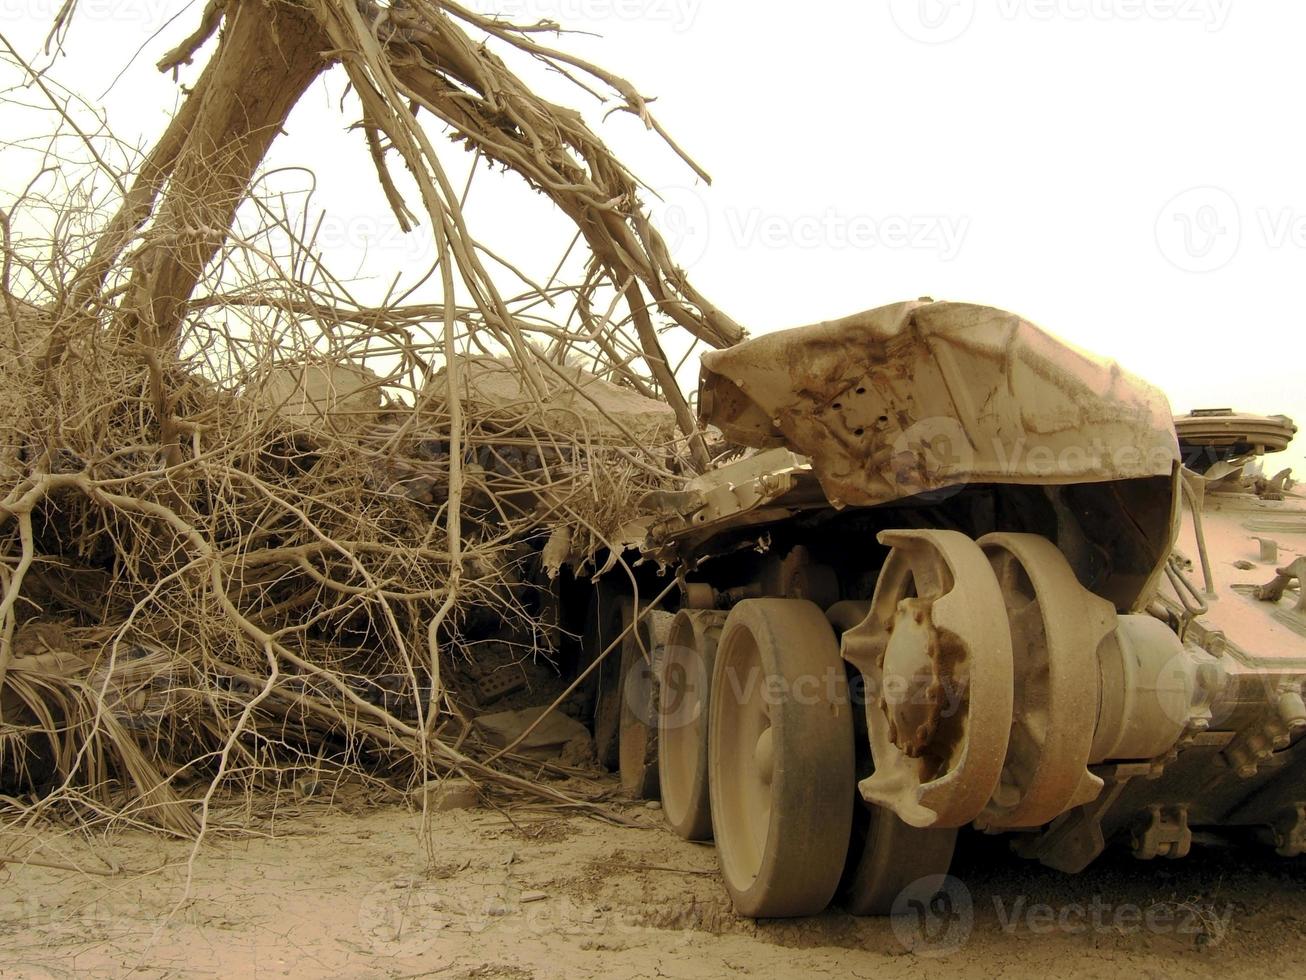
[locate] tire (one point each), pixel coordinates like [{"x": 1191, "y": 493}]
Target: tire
[
  {"x": 780, "y": 758},
  {"x": 637, "y": 750},
  {"x": 892, "y": 856},
  {"x": 886, "y": 854},
  {"x": 609, "y": 611},
  {"x": 684, "y": 701}
]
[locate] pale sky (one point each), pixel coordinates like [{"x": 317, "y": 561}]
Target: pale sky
[{"x": 1125, "y": 173}]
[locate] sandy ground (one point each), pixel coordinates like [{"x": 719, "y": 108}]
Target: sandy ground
[{"x": 350, "y": 891}]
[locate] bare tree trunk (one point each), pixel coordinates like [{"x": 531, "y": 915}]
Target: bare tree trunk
[
  {"x": 268, "y": 54},
  {"x": 246, "y": 93}
]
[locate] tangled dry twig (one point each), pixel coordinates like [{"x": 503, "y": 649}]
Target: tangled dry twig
[{"x": 252, "y": 525}]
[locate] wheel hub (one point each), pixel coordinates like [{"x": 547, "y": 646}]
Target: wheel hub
[
  {"x": 912, "y": 687},
  {"x": 936, "y": 625}
]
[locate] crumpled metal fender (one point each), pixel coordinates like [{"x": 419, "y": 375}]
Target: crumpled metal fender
[{"x": 924, "y": 396}]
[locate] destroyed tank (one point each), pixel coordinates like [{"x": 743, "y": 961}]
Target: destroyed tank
[{"x": 959, "y": 576}]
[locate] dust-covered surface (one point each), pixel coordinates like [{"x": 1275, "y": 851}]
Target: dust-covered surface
[
  {"x": 348, "y": 891},
  {"x": 921, "y": 396}
]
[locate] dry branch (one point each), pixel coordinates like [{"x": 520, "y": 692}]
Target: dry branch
[{"x": 262, "y": 527}]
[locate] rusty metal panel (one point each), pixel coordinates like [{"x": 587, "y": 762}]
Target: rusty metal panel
[{"x": 923, "y": 396}]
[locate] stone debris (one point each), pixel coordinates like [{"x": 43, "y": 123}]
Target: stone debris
[
  {"x": 448, "y": 794},
  {"x": 546, "y": 740}
]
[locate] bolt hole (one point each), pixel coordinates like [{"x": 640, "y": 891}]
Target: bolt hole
[
  {"x": 884, "y": 418},
  {"x": 860, "y": 432},
  {"x": 837, "y": 406},
  {"x": 861, "y": 391}
]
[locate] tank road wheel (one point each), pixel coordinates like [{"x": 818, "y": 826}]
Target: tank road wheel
[
  {"x": 1056, "y": 628},
  {"x": 682, "y": 721},
  {"x": 608, "y": 615},
  {"x": 780, "y": 758},
  {"x": 887, "y": 855},
  {"x": 890, "y": 855},
  {"x": 637, "y": 749},
  {"x": 935, "y": 650}
]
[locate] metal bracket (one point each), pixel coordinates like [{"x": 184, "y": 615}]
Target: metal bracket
[
  {"x": 1273, "y": 591},
  {"x": 1290, "y": 832},
  {"x": 1269, "y": 549},
  {"x": 1163, "y": 833},
  {"x": 1074, "y": 840}
]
